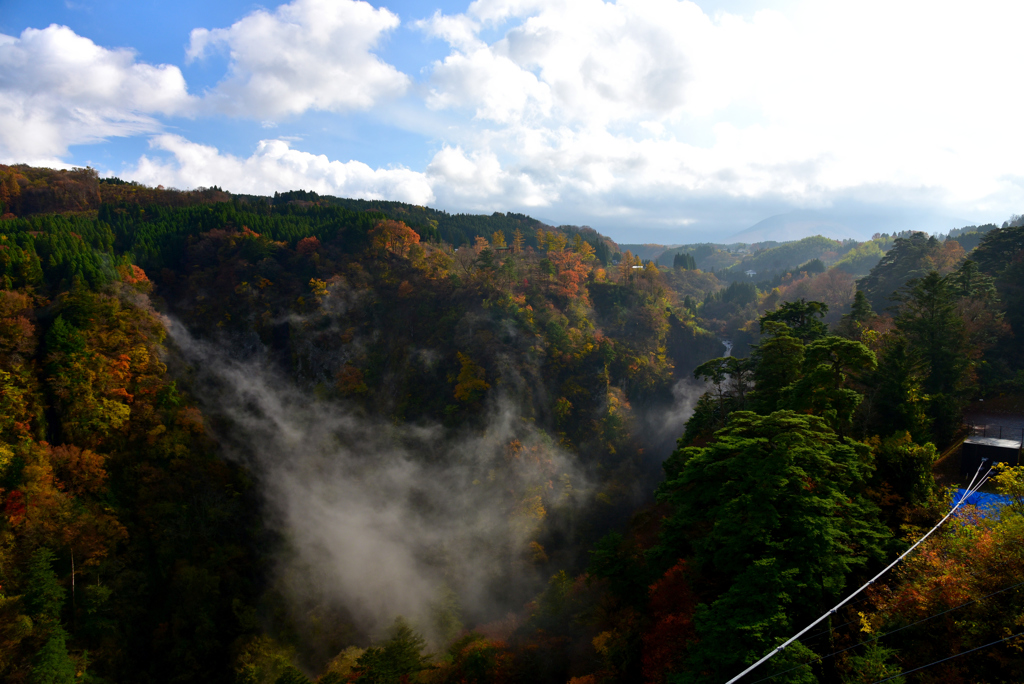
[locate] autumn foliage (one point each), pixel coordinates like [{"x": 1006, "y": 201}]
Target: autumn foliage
[
  {"x": 394, "y": 237},
  {"x": 672, "y": 603},
  {"x": 102, "y": 492},
  {"x": 132, "y": 549}
]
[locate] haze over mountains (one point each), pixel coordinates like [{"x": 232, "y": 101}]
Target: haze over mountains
[
  {"x": 843, "y": 222},
  {"x": 839, "y": 224}
]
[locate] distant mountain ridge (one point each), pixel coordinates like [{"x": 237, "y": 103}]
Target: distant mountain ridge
[
  {"x": 794, "y": 226},
  {"x": 647, "y": 251},
  {"x": 842, "y": 224}
]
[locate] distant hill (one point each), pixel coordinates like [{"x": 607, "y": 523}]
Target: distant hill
[
  {"x": 970, "y": 237},
  {"x": 648, "y": 251},
  {"x": 840, "y": 224},
  {"x": 769, "y": 262},
  {"x": 794, "y": 226}
]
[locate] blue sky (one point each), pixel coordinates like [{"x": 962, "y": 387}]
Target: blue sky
[{"x": 651, "y": 120}]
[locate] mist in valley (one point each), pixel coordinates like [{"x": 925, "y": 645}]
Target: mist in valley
[{"x": 380, "y": 520}]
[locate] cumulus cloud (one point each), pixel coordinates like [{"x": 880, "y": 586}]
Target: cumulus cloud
[
  {"x": 477, "y": 181},
  {"x": 575, "y": 61},
  {"x": 59, "y": 89},
  {"x": 474, "y": 180},
  {"x": 632, "y": 70},
  {"x": 275, "y": 166},
  {"x": 594, "y": 105},
  {"x": 498, "y": 88},
  {"x": 307, "y": 54},
  {"x": 594, "y": 173},
  {"x": 629, "y": 112},
  {"x": 630, "y": 102},
  {"x": 458, "y": 30}
]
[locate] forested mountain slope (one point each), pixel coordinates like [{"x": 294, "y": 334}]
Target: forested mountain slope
[
  {"x": 281, "y": 439},
  {"x": 526, "y": 376}
]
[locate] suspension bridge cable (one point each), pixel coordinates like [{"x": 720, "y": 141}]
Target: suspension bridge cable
[
  {"x": 970, "y": 490},
  {"x": 978, "y": 648},
  {"x": 834, "y": 628},
  {"x": 898, "y": 629}
]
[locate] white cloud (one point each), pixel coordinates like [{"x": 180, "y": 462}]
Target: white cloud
[
  {"x": 453, "y": 178},
  {"x": 457, "y": 30},
  {"x": 579, "y": 62},
  {"x": 497, "y": 11},
  {"x": 477, "y": 182},
  {"x": 308, "y": 54},
  {"x": 638, "y": 110},
  {"x": 499, "y": 89},
  {"x": 613, "y": 105},
  {"x": 59, "y": 89},
  {"x": 275, "y": 166}
]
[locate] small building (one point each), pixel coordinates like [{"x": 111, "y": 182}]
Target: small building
[
  {"x": 751, "y": 274},
  {"x": 995, "y": 450}
]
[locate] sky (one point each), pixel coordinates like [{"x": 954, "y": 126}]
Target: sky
[{"x": 652, "y": 121}]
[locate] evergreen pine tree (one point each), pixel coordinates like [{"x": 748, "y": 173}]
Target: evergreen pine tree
[{"x": 52, "y": 664}]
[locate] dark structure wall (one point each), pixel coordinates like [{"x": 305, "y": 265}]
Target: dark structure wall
[{"x": 975, "y": 449}]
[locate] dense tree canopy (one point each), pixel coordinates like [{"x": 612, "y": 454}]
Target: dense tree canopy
[{"x": 133, "y": 550}]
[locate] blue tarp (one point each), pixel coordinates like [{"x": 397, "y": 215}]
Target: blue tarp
[{"x": 987, "y": 504}]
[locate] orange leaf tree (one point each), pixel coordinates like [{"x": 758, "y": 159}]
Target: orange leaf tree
[{"x": 394, "y": 237}]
